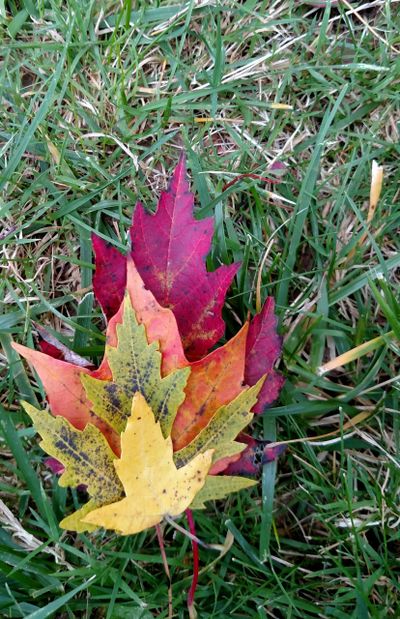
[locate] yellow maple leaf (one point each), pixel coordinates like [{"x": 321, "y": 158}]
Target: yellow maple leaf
[{"x": 153, "y": 485}]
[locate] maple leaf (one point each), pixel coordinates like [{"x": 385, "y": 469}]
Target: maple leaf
[
  {"x": 189, "y": 398},
  {"x": 135, "y": 367},
  {"x": 86, "y": 458},
  {"x": 169, "y": 249},
  {"x": 147, "y": 471}
]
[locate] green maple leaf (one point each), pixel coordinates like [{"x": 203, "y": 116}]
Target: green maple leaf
[
  {"x": 87, "y": 459},
  {"x": 223, "y": 428},
  {"x": 136, "y": 367}
]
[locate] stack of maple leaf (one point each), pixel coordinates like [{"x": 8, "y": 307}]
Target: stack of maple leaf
[{"x": 157, "y": 427}]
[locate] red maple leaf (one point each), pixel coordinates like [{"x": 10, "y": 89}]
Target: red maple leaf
[{"x": 169, "y": 249}]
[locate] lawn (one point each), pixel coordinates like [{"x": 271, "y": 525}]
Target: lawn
[{"x": 98, "y": 100}]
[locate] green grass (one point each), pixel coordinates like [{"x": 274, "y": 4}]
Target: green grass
[{"x": 97, "y": 102}]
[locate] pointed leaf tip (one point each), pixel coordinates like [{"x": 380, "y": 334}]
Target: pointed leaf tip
[
  {"x": 264, "y": 346},
  {"x": 180, "y": 172},
  {"x": 62, "y": 383},
  {"x": 65, "y": 393},
  {"x": 109, "y": 279}
]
